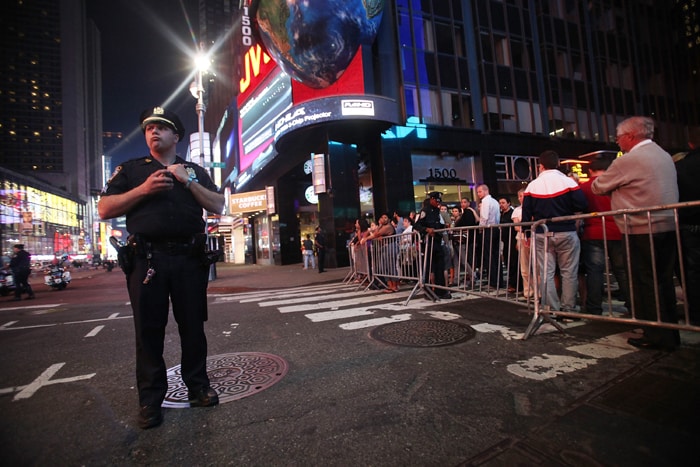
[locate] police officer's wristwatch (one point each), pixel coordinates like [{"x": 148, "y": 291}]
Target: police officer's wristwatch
[{"x": 190, "y": 179}]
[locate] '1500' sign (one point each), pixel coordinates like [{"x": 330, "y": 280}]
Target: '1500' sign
[{"x": 436, "y": 173}]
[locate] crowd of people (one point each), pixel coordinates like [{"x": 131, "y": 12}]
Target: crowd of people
[
  {"x": 639, "y": 249},
  {"x": 573, "y": 255}
]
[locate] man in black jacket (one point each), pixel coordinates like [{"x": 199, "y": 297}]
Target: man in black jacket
[
  {"x": 20, "y": 264},
  {"x": 510, "y": 250},
  {"x": 320, "y": 244},
  {"x": 689, "y": 219}
]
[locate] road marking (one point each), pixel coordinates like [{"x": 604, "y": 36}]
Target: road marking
[
  {"x": 33, "y": 307},
  {"x": 545, "y": 366},
  {"x": 542, "y": 367},
  {"x": 95, "y": 331},
  {"x": 375, "y": 322},
  {"x": 443, "y": 315},
  {"x": 3, "y": 328},
  {"x": 338, "y": 314},
  {"x": 258, "y": 295},
  {"x": 45, "y": 380},
  {"x": 314, "y": 297},
  {"x": 505, "y": 332},
  {"x": 336, "y": 304},
  {"x": 113, "y": 316}
]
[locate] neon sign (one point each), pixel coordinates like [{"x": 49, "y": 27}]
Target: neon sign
[{"x": 253, "y": 63}]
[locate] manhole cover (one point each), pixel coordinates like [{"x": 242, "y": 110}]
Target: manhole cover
[
  {"x": 423, "y": 333},
  {"x": 233, "y": 376}
]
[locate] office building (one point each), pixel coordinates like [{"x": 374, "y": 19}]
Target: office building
[
  {"x": 50, "y": 126},
  {"x": 450, "y": 94}
]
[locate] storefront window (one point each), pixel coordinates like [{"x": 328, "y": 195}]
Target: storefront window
[
  {"x": 450, "y": 174},
  {"x": 262, "y": 237},
  {"x": 47, "y": 224}
]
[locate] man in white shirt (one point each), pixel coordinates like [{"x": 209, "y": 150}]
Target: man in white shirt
[{"x": 490, "y": 215}]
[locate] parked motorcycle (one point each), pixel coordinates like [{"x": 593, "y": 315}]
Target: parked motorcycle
[
  {"x": 7, "y": 282},
  {"x": 57, "y": 277}
]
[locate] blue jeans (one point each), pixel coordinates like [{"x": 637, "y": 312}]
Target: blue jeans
[
  {"x": 593, "y": 258},
  {"x": 309, "y": 258},
  {"x": 563, "y": 250}
]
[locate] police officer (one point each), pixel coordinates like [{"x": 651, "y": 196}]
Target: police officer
[
  {"x": 162, "y": 196},
  {"x": 320, "y": 244},
  {"x": 20, "y": 265},
  {"x": 428, "y": 221}
]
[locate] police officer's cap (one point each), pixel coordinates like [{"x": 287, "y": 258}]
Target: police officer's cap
[
  {"x": 159, "y": 114},
  {"x": 435, "y": 195},
  {"x": 19, "y": 246}
]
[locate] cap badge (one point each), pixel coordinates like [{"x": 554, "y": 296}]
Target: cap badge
[{"x": 158, "y": 111}]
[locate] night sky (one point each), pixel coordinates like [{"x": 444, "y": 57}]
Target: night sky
[{"x": 147, "y": 59}]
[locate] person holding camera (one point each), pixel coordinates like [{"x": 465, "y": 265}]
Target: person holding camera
[{"x": 162, "y": 196}]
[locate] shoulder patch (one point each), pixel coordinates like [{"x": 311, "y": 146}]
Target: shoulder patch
[{"x": 115, "y": 173}]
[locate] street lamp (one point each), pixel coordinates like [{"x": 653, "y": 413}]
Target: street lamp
[{"x": 202, "y": 62}]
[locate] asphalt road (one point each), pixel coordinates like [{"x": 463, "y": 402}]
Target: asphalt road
[{"x": 67, "y": 393}]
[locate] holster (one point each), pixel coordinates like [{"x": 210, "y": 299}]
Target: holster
[
  {"x": 213, "y": 256},
  {"x": 125, "y": 255},
  {"x": 209, "y": 256}
]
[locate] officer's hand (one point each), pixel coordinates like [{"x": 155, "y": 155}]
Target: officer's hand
[
  {"x": 178, "y": 171},
  {"x": 160, "y": 180},
  {"x": 429, "y": 230}
]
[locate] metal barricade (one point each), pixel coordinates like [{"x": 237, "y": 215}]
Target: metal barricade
[
  {"x": 359, "y": 265},
  {"x": 483, "y": 261},
  {"x": 352, "y": 273},
  {"x": 623, "y": 309},
  {"x": 396, "y": 258}
]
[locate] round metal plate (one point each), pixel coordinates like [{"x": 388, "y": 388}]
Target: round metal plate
[
  {"x": 423, "y": 333},
  {"x": 233, "y": 376}
]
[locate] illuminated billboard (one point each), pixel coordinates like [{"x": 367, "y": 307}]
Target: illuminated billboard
[{"x": 257, "y": 117}]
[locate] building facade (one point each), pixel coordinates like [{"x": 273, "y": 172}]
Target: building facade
[
  {"x": 50, "y": 126},
  {"x": 451, "y": 94}
]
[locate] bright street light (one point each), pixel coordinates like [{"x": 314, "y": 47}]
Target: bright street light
[
  {"x": 197, "y": 89},
  {"x": 202, "y": 62}
]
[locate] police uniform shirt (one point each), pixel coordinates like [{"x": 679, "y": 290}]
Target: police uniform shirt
[
  {"x": 172, "y": 213},
  {"x": 429, "y": 217}
]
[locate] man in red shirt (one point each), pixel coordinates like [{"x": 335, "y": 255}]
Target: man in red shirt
[{"x": 596, "y": 232}]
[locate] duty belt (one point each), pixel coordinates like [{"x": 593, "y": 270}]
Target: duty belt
[{"x": 168, "y": 245}]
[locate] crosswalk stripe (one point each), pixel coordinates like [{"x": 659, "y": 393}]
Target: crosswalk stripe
[
  {"x": 337, "y": 303},
  {"x": 307, "y": 298},
  {"x": 338, "y": 314},
  {"x": 293, "y": 293},
  {"x": 374, "y": 322}
]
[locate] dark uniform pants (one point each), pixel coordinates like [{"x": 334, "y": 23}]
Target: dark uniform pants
[
  {"x": 22, "y": 283},
  {"x": 435, "y": 256},
  {"x": 181, "y": 280},
  {"x": 663, "y": 252}
]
